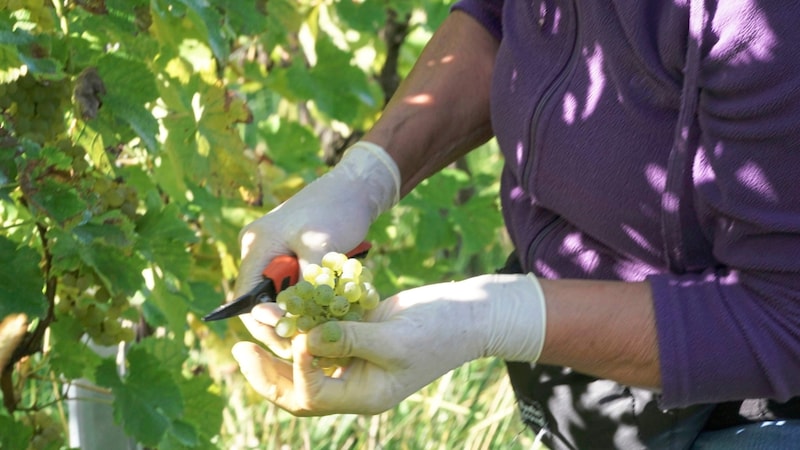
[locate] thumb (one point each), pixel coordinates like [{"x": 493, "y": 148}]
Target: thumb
[
  {"x": 266, "y": 373},
  {"x": 370, "y": 341}
]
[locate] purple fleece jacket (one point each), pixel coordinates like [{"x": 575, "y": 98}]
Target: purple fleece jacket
[{"x": 586, "y": 98}]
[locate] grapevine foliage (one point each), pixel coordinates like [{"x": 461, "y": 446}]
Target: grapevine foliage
[{"x": 136, "y": 138}]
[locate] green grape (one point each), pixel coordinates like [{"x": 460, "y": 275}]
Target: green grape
[
  {"x": 84, "y": 282},
  {"x": 339, "y": 306},
  {"x": 311, "y": 271},
  {"x": 295, "y": 305},
  {"x": 127, "y": 334},
  {"x": 286, "y": 327},
  {"x": 370, "y": 299},
  {"x": 304, "y": 289},
  {"x": 351, "y": 291},
  {"x": 68, "y": 279},
  {"x": 283, "y": 297},
  {"x": 352, "y": 267},
  {"x": 114, "y": 198},
  {"x": 334, "y": 261},
  {"x": 355, "y": 314},
  {"x": 323, "y": 294},
  {"x": 102, "y": 295},
  {"x": 305, "y": 323},
  {"x": 326, "y": 277},
  {"x": 311, "y": 308},
  {"x": 366, "y": 275},
  {"x": 93, "y": 315},
  {"x": 331, "y": 331}
]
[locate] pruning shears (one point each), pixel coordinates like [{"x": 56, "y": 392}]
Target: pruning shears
[{"x": 283, "y": 271}]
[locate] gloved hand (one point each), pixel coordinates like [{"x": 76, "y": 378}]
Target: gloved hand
[
  {"x": 407, "y": 342},
  {"x": 333, "y": 213}
]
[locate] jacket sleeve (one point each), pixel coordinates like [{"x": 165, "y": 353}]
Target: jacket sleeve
[
  {"x": 733, "y": 332},
  {"x": 487, "y": 12}
]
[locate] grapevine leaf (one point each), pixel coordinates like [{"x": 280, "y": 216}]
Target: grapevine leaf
[
  {"x": 13, "y": 435},
  {"x": 16, "y": 37},
  {"x": 294, "y": 145},
  {"x": 172, "y": 305},
  {"x": 57, "y": 200},
  {"x": 147, "y": 400},
  {"x": 434, "y": 231},
  {"x": 211, "y": 21},
  {"x": 341, "y": 88},
  {"x": 244, "y": 17},
  {"x": 21, "y": 280},
  {"x": 64, "y": 247},
  {"x": 120, "y": 271},
  {"x": 130, "y": 85},
  {"x": 164, "y": 238},
  {"x": 364, "y": 16},
  {"x": 294, "y": 82},
  {"x": 203, "y": 411},
  {"x": 477, "y": 220},
  {"x": 47, "y": 66},
  {"x": 67, "y": 358},
  {"x": 111, "y": 228},
  {"x": 170, "y": 353},
  {"x": 217, "y": 126},
  {"x": 181, "y": 436}
]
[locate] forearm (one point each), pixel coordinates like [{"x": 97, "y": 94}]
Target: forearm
[
  {"x": 602, "y": 328},
  {"x": 441, "y": 110}
]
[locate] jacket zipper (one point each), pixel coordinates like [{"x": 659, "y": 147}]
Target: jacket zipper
[
  {"x": 548, "y": 96},
  {"x": 537, "y": 241}
]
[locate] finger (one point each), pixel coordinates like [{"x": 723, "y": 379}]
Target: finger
[
  {"x": 269, "y": 376},
  {"x": 365, "y": 340},
  {"x": 311, "y": 380},
  {"x": 360, "y": 389},
  {"x": 267, "y": 313},
  {"x": 266, "y": 334}
]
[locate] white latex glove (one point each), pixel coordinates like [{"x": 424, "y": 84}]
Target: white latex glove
[
  {"x": 410, "y": 340},
  {"x": 333, "y": 213}
]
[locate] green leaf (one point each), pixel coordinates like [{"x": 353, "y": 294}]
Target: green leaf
[
  {"x": 478, "y": 221},
  {"x": 341, "y": 88},
  {"x": 212, "y": 24},
  {"x": 172, "y": 305},
  {"x": 147, "y": 400},
  {"x": 170, "y": 353},
  {"x": 164, "y": 239},
  {"x": 57, "y": 200},
  {"x": 204, "y": 407},
  {"x": 68, "y": 356},
  {"x": 364, "y": 16},
  {"x": 14, "y": 435},
  {"x": 293, "y": 145},
  {"x": 130, "y": 85},
  {"x": 119, "y": 271},
  {"x": 244, "y": 17},
  {"x": 21, "y": 280}
]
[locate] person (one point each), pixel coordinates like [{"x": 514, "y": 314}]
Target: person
[{"x": 650, "y": 189}]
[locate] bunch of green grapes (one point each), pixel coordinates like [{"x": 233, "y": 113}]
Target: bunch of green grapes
[
  {"x": 47, "y": 432},
  {"x": 84, "y": 297},
  {"x": 338, "y": 289},
  {"x": 36, "y": 107},
  {"x": 81, "y": 292}
]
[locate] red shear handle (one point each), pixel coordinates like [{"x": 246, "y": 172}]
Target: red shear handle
[{"x": 284, "y": 270}]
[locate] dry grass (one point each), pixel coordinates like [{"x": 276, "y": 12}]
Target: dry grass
[{"x": 472, "y": 407}]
